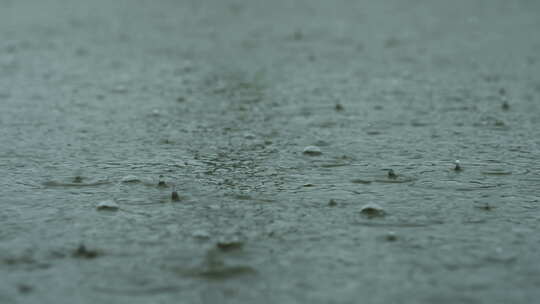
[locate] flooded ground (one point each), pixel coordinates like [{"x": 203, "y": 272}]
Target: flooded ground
[{"x": 107, "y": 107}]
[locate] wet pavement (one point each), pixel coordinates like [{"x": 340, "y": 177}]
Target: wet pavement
[{"x": 269, "y": 151}]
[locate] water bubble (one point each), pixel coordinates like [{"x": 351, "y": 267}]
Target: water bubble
[
  {"x": 391, "y": 236},
  {"x": 457, "y": 165},
  {"x": 312, "y": 151},
  {"x": 249, "y": 136},
  {"x": 230, "y": 244},
  {"x": 200, "y": 234},
  {"x": 107, "y": 205},
  {"x": 130, "y": 179},
  {"x": 161, "y": 182},
  {"x": 372, "y": 210}
]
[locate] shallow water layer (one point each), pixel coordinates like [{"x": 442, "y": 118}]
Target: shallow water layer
[{"x": 127, "y": 101}]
